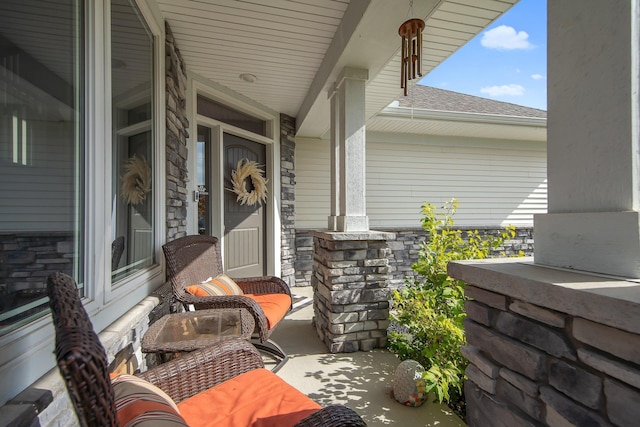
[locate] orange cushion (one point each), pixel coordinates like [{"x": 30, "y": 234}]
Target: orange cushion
[
  {"x": 258, "y": 398},
  {"x": 218, "y": 286},
  {"x": 275, "y": 306}
]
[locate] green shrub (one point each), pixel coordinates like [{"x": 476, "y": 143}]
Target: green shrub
[{"x": 430, "y": 309}]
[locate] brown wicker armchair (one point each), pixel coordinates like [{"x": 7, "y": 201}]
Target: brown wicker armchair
[
  {"x": 83, "y": 365},
  {"x": 193, "y": 259}
]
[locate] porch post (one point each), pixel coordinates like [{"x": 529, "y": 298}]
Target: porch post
[
  {"x": 558, "y": 346},
  {"x": 335, "y": 159},
  {"x": 593, "y": 133},
  {"x": 348, "y": 152}
]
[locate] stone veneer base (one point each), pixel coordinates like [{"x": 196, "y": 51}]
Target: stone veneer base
[
  {"x": 351, "y": 289},
  {"x": 548, "y": 346}
]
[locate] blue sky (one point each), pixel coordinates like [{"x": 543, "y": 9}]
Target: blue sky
[{"x": 506, "y": 62}]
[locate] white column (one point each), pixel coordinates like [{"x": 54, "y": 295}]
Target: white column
[
  {"x": 592, "y": 138},
  {"x": 348, "y": 151},
  {"x": 335, "y": 160}
]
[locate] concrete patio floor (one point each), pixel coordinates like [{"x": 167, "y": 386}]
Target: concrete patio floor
[{"x": 361, "y": 380}]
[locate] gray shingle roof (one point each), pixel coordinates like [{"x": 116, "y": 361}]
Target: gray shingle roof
[{"x": 431, "y": 98}]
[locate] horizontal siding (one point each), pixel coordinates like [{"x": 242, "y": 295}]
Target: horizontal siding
[
  {"x": 39, "y": 196},
  {"x": 313, "y": 185},
  {"x": 496, "y": 182}
]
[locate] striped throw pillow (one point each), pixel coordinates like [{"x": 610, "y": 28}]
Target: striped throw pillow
[
  {"x": 141, "y": 404},
  {"x": 218, "y": 286}
]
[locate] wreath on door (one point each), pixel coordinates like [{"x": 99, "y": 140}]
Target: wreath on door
[
  {"x": 249, "y": 169},
  {"x": 136, "y": 180}
]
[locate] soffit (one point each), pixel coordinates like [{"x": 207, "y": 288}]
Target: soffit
[
  {"x": 281, "y": 42},
  {"x": 297, "y": 48}
]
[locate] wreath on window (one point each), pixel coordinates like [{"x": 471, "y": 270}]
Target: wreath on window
[
  {"x": 136, "y": 180},
  {"x": 249, "y": 169}
]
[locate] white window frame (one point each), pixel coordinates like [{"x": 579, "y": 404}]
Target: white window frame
[
  {"x": 108, "y": 302},
  {"x": 26, "y": 353}
]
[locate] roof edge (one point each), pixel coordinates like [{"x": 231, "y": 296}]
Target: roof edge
[{"x": 426, "y": 114}]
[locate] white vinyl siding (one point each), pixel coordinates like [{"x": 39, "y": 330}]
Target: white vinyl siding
[
  {"x": 313, "y": 185},
  {"x": 496, "y": 182},
  {"x": 46, "y": 180}
]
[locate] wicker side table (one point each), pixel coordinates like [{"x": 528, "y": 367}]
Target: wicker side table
[{"x": 189, "y": 331}]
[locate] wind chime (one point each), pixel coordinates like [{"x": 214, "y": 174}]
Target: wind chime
[{"x": 411, "y": 65}]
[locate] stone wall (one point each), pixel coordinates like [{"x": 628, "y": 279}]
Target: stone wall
[
  {"x": 351, "y": 290},
  {"x": 404, "y": 251},
  {"x": 287, "y": 198},
  {"x": 26, "y": 260},
  {"x": 549, "y": 347},
  {"x": 176, "y": 139},
  {"x": 303, "y": 264}
]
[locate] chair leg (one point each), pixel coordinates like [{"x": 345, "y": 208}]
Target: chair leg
[{"x": 272, "y": 350}]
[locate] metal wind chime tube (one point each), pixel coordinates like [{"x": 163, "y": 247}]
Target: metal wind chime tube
[{"x": 411, "y": 65}]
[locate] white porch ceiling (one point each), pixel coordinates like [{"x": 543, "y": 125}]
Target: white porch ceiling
[{"x": 297, "y": 48}]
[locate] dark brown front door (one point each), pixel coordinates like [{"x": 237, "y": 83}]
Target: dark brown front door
[{"x": 244, "y": 226}]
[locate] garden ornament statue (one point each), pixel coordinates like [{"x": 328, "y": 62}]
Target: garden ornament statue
[{"x": 408, "y": 386}]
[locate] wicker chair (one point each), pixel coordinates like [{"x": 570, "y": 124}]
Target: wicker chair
[
  {"x": 193, "y": 259},
  {"x": 83, "y": 365},
  {"x": 117, "y": 248}
]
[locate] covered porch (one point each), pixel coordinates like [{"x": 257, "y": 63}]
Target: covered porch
[{"x": 322, "y": 71}]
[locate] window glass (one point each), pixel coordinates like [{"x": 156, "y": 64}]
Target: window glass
[
  {"x": 133, "y": 135},
  {"x": 41, "y": 152},
  {"x": 210, "y": 108},
  {"x": 203, "y": 147}
]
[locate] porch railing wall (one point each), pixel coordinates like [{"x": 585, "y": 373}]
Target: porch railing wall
[{"x": 404, "y": 250}]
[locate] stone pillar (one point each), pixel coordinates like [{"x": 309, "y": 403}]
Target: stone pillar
[
  {"x": 350, "y": 289},
  {"x": 348, "y": 208},
  {"x": 287, "y": 198},
  {"x": 176, "y": 139},
  {"x": 593, "y": 137},
  {"x": 549, "y": 347},
  {"x": 559, "y": 346}
]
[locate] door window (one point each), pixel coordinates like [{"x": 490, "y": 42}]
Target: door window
[{"x": 203, "y": 148}]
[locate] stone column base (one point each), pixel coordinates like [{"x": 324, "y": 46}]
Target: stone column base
[
  {"x": 548, "y": 346},
  {"x": 351, "y": 294}
]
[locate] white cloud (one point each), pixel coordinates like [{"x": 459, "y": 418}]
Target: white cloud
[
  {"x": 510, "y": 90},
  {"x": 505, "y": 38},
  {"x": 537, "y": 76}
]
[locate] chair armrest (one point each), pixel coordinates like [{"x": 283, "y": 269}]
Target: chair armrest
[
  {"x": 263, "y": 285},
  {"x": 203, "y": 369},
  {"x": 333, "y": 416}
]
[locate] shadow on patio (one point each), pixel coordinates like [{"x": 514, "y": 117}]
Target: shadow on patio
[{"x": 361, "y": 380}]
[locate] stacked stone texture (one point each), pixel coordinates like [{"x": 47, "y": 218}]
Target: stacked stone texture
[
  {"x": 532, "y": 366},
  {"x": 176, "y": 139},
  {"x": 288, "y": 198},
  {"x": 304, "y": 257},
  {"x": 27, "y": 259},
  {"x": 404, "y": 251},
  {"x": 351, "y": 293}
]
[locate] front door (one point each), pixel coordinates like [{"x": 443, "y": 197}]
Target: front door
[{"x": 244, "y": 225}]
